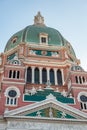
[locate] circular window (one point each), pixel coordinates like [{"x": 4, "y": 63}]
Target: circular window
[
  {"x": 83, "y": 98},
  {"x": 12, "y": 93},
  {"x": 14, "y": 39}
]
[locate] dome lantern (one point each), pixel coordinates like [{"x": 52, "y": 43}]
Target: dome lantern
[{"x": 38, "y": 19}]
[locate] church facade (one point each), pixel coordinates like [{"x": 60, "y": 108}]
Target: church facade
[{"x": 42, "y": 85}]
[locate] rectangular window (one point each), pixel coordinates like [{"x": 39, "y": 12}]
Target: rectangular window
[{"x": 43, "y": 39}]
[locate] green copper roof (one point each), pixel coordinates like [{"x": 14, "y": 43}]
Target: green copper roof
[{"x": 31, "y": 35}]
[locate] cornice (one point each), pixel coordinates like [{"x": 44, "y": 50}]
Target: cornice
[
  {"x": 47, "y": 63},
  {"x": 9, "y": 82},
  {"x": 45, "y": 119},
  {"x": 78, "y": 72},
  {"x": 14, "y": 66},
  {"x": 79, "y": 88}
]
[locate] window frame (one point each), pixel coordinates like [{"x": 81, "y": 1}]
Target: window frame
[
  {"x": 12, "y": 101},
  {"x": 43, "y": 36},
  {"x": 83, "y": 104}
]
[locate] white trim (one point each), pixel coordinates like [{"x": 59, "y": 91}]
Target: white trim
[
  {"x": 81, "y": 93},
  {"x": 75, "y": 112},
  {"x": 11, "y": 66},
  {"x": 77, "y": 87},
  {"x": 7, "y": 82},
  {"x": 12, "y": 88},
  {"x": 13, "y": 78},
  {"x": 46, "y": 118}
]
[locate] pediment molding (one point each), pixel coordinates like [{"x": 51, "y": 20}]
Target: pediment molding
[{"x": 51, "y": 103}]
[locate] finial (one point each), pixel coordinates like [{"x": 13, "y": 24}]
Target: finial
[{"x": 38, "y": 19}]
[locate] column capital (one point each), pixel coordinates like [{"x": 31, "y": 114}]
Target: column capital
[
  {"x": 40, "y": 68},
  {"x": 55, "y": 69},
  {"x": 48, "y": 68},
  {"x": 33, "y": 67}
]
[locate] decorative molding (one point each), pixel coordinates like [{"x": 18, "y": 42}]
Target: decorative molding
[
  {"x": 44, "y": 126},
  {"x": 43, "y": 104},
  {"x": 12, "y": 88},
  {"x": 81, "y": 93},
  {"x": 7, "y": 82},
  {"x": 50, "y": 96}
]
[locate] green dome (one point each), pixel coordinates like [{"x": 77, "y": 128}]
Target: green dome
[{"x": 31, "y": 35}]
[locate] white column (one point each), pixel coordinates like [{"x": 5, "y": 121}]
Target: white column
[
  {"x": 33, "y": 74},
  {"x": 55, "y": 76},
  {"x": 62, "y": 76},
  {"x": 48, "y": 76},
  {"x": 40, "y": 72},
  {"x": 78, "y": 79},
  {"x": 16, "y": 74},
  {"x": 25, "y": 74},
  {"x": 81, "y": 79}
]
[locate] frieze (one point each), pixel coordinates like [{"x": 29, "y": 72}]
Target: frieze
[{"x": 44, "y": 126}]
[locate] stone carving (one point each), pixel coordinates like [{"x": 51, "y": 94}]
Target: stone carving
[
  {"x": 54, "y": 54},
  {"x": 50, "y": 113},
  {"x": 63, "y": 115},
  {"x": 33, "y": 91},
  {"x": 64, "y": 93},
  {"x": 48, "y": 85},
  {"x": 32, "y": 52},
  {"x": 57, "y": 90},
  {"x": 50, "y": 96},
  {"x": 38, "y": 19},
  {"x": 40, "y": 89},
  {"x": 39, "y": 114}
]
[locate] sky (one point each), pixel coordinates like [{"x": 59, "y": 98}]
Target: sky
[{"x": 69, "y": 17}]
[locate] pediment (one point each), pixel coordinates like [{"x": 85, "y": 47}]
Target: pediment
[{"x": 49, "y": 108}]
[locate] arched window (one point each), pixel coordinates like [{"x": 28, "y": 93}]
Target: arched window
[
  {"x": 44, "y": 75},
  {"x": 29, "y": 74},
  {"x": 80, "y": 80},
  {"x": 59, "y": 78},
  {"x": 83, "y": 101},
  {"x": 36, "y": 75},
  {"x": 10, "y": 73},
  {"x": 76, "y": 79},
  {"x": 82, "y": 98},
  {"x": 52, "y": 76},
  {"x": 14, "y": 74},
  {"x": 18, "y": 74},
  {"x": 83, "y": 79},
  {"x": 12, "y": 94}
]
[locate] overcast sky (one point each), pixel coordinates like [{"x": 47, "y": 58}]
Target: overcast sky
[{"x": 69, "y": 17}]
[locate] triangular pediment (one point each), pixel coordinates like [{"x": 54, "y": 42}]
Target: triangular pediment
[{"x": 49, "y": 108}]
